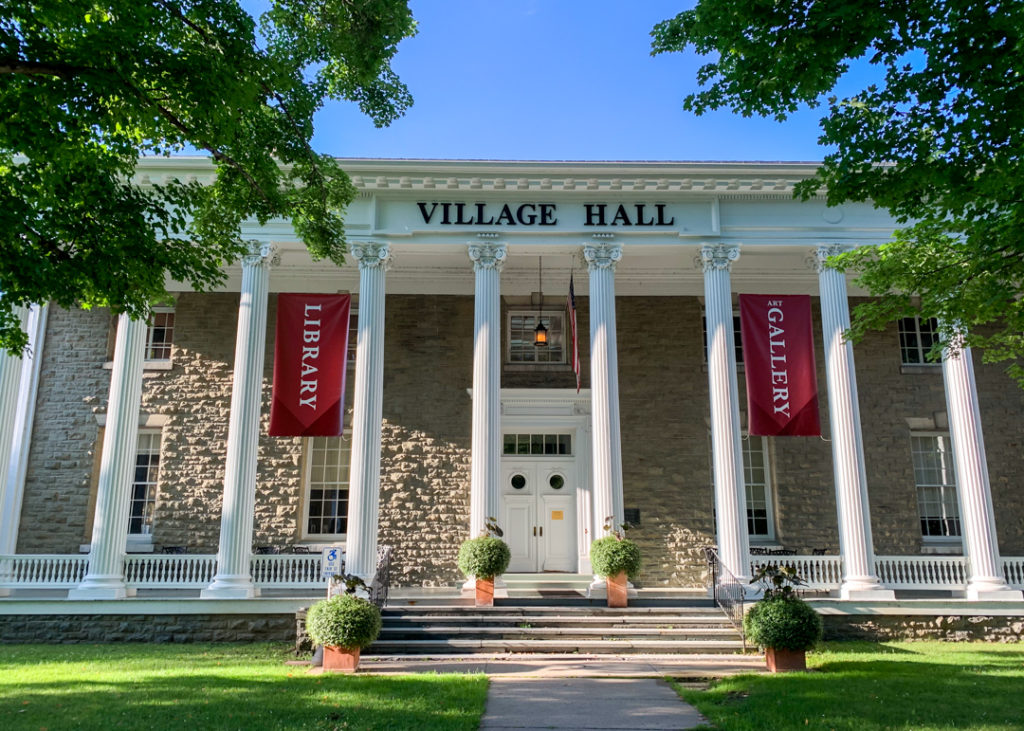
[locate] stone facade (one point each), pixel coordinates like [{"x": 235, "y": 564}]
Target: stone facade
[{"x": 425, "y": 463}]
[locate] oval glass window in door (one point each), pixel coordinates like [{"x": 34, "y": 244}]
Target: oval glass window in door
[
  {"x": 518, "y": 481},
  {"x": 556, "y": 481}
]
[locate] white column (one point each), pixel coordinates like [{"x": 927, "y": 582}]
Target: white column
[
  {"x": 10, "y": 386},
  {"x": 10, "y": 510},
  {"x": 723, "y": 393},
  {"x": 485, "y": 460},
  {"x": 606, "y": 443},
  {"x": 986, "y": 581},
  {"x": 105, "y": 578},
  {"x": 364, "y": 479},
  {"x": 234, "y": 579},
  {"x": 855, "y": 543}
]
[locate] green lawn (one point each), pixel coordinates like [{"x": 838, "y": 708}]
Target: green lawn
[
  {"x": 863, "y": 686},
  {"x": 200, "y": 687}
]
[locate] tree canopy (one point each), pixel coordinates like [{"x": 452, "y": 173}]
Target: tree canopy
[
  {"x": 89, "y": 86},
  {"x": 936, "y": 140}
]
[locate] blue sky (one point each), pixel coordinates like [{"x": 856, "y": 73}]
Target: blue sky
[{"x": 554, "y": 80}]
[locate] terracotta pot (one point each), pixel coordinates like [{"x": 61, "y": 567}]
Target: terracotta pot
[
  {"x": 784, "y": 661},
  {"x": 341, "y": 659},
  {"x": 617, "y": 596},
  {"x": 485, "y": 592}
]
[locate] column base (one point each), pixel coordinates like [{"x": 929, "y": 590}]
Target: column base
[
  {"x": 99, "y": 587},
  {"x": 994, "y": 590},
  {"x": 865, "y": 589},
  {"x": 230, "y": 587},
  {"x": 468, "y": 589}
]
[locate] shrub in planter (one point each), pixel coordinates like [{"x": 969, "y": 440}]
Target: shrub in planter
[
  {"x": 615, "y": 557},
  {"x": 343, "y": 624},
  {"x": 483, "y": 558},
  {"x": 782, "y": 623},
  {"x": 610, "y": 556}
]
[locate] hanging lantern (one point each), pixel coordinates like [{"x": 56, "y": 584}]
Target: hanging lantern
[{"x": 540, "y": 333}]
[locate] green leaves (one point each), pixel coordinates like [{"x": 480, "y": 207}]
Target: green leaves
[
  {"x": 86, "y": 90},
  {"x": 936, "y": 139}
]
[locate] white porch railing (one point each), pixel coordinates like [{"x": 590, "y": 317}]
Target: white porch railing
[
  {"x": 152, "y": 571},
  {"x": 819, "y": 572},
  {"x": 1013, "y": 571},
  {"x": 42, "y": 571},
  {"x": 922, "y": 572},
  {"x": 174, "y": 571}
]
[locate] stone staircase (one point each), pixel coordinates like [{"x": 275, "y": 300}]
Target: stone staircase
[{"x": 558, "y": 626}]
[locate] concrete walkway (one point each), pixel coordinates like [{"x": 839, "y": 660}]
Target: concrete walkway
[{"x": 585, "y": 703}]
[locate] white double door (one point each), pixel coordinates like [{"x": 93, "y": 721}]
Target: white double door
[{"x": 539, "y": 513}]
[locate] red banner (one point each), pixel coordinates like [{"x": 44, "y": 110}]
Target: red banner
[
  {"x": 309, "y": 365},
  {"x": 778, "y": 359}
]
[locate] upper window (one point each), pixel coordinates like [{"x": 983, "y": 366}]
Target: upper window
[
  {"x": 160, "y": 334},
  {"x": 737, "y": 339},
  {"x": 760, "y": 522},
  {"x": 936, "y": 485},
  {"x": 917, "y": 336},
  {"x": 327, "y": 481},
  {"x": 147, "y": 471},
  {"x": 538, "y": 444},
  {"x": 521, "y": 349}
]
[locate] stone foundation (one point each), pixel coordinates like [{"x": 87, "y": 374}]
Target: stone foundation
[
  {"x": 947, "y": 628},
  {"x": 162, "y": 628}
]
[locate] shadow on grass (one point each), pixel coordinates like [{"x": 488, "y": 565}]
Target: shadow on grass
[
  {"x": 232, "y": 700},
  {"x": 874, "y": 693}
]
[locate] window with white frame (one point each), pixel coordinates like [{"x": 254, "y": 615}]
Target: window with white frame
[
  {"x": 521, "y": 326},
  {"x": 327, "y": 479},
  {"x": 936, "y": 485},
  {"x": 160, "y": 334},
  {"x": 737, "y": 339},
  {"x": 144, "y": 481},
  {"x": 917, "y": 336},
  {"x": 756, "y": 476}
]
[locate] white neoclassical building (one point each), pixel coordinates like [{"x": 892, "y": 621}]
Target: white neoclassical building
[{"x": 136, "y": 456}]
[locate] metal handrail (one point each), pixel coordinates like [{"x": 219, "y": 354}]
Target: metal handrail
[
  {"x": 382, "y": 577},
  {"x": 729, "y": 594}
]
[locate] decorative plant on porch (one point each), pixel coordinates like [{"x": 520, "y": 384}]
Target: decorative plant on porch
[
  {"x": 781, "y": 622},
  {"x": 343, "y": 625},
  {"x": 615, "y": 557},
  {"x": 484, "y": 558}
]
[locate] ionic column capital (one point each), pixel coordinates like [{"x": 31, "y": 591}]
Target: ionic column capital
[
  {"x": 818, "y": 259},
  {"x": 717, "y": 257},
  {"x": 602, "y": 255},
  {"x": 260, "y": 253},
  {"x": 488, "y": 255},
  {"x": 372, "y": 255}
]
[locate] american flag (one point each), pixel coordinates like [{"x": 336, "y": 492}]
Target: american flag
[{"x": 574, "y": 353}]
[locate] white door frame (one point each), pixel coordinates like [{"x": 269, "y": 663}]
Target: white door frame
[{"x": 558, "y": 410}]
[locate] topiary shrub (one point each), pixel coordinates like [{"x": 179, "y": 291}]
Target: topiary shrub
[
  {"x": 484, "y": 557},
  {"x": 783, "y": 623},
  {"x": 611, "y": 555},
  {"x": 344, "y": 620}
]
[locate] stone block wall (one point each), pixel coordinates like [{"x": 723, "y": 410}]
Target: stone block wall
[
  {"x": 425, "y": 462},
  {"x": 107, "y": 628}
]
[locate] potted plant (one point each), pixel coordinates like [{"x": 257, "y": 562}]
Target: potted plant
[
  {"x": 615, "y": 557},
  {"x": 781, "y": 622},
  {"x": 343, "y": 625},
  {"x": 483, "y": 558}
]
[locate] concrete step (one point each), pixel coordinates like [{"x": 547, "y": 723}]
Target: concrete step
[
  {"x": 552, "y": 610},
  {"x": 580, "y": 633},
  {"x": 621, "y": 647},
  {"x": 548, "y": 620}
]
